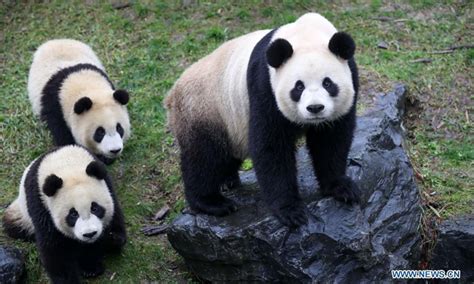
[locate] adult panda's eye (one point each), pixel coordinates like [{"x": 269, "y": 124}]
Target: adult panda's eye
[
  {"x": 300, "y": 86},
  {"x": 327, "y": 83},
  {"x": 120, "y": 129}
]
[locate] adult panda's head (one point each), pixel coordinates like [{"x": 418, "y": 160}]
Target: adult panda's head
[
  {"x": 309, "y": 73},
  {"x": 74, "y": 191},
  {"x": 102, "y": 124}
]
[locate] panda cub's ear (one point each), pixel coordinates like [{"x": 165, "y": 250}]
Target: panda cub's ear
[
  {"x": 342, "y": 45},
  {"x": 82, "y": 105},
  {"x": 51, "y": 185},
  {"x": 121, "y": 96},
  {"x": 278, "y": 52},
  {"x": 96, "y": 169}
]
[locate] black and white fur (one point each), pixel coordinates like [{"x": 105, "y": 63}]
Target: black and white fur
[
  {"x": 69, "y": 89},
  {"x": 67, "y": 204},
  {"x": 254, "y": 96}
]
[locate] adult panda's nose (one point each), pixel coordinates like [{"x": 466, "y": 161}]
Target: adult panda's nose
[
  {"x": 315, "y": 108},
  {"x": 116, "y": 151},
  {"x": 90, "y": 235}
]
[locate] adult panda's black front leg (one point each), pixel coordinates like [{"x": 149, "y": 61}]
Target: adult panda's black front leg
[
  {"x": 272, "y": 149},
  {"x": 329, "y": 147}
]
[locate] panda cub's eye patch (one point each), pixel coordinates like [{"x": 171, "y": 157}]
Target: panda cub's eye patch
[
  {"x": 120, "y": 129},
  {"x": 330, "y": 87},
  {"x": 297, "y": 91},
  {"x": 99, "y": 134},
  {"x": 72, "y": 217},
  {"x": 97, "y": 210}
]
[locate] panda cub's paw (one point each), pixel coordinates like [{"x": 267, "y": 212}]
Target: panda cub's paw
[
  {"x": 215, "y": 204},
  {"x": 116, "y": 241},
  {"x": 292, "y": 215},
  {"x": 91, "y": 271},
  {"x": 345, "y": 189}
]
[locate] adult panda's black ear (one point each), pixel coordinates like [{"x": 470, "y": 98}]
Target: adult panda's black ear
[
  {"x": 278, "y": 52},
  {"x": 96, "y": 169},
  {"x": 52, "y": 184},
  {"x": 121, "y": 96},
  {"x": 342, "y": 45},
  {"x": 82, "y": 105}
]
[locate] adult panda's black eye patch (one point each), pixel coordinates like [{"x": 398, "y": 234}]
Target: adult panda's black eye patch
[
  {"x": 297, "y": 91},
  {"x": 120, "y": 130},
  {"x": 331, "y": 87},
  {"x": 99, "y": 134},
  {"x": 97, "y": 210},
  {"x": 72, "y": 217}
]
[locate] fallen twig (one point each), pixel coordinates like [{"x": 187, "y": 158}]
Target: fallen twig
[
  {"x": 162, "y": 213},
  {"x": 155, "y": 230},
  {"x": 452, "y": 49},
  {"x": 120, "y": 6},
  {"x": 421, "y": 60}
]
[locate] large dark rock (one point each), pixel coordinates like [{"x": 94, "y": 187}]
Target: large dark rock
[
  {"x": 454, "y": 249},
  {"x": 12, "y": 265},
  {"x": 340, "y": 243}
]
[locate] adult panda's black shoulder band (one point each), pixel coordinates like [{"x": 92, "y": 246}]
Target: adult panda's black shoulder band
[{"x": 52, "y": 112}]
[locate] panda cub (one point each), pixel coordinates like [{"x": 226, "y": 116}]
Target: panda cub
[
  {"x": 67, "y": 204},
  {"x": 69, "y": 89},
  {"x": 255, "y": 96}
]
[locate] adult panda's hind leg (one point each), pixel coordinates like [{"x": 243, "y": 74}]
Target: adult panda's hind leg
[
  {"x": 232, "y": 178},
  {"x": 206, "y": 163}
]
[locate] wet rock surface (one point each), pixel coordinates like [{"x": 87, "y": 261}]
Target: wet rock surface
[
  {"x": 454, "y": 249},
  {"x": 340, "y": 243},
  {"x": 12, "y": 265}
]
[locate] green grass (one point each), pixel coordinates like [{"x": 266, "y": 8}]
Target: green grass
[{"x": 146, "y": 46}]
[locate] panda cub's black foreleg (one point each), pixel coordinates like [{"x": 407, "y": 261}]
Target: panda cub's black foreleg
[
  {"x": 329, "y": 147},
  {"x": 90, "y": 259},
  {"x": 206, "y": 164}
]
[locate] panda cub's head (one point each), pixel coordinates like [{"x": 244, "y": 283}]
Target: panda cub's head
[
  {"x": 78, "y": 199},
  {"x": 310, "y": 75},
  {"x": 102, "y": 125}
]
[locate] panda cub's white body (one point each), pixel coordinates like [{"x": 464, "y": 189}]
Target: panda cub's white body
[
  {"x": 69, "y": 89},
  {"x": 67, "y": 204},
  {"x": 254, "y": 96}
]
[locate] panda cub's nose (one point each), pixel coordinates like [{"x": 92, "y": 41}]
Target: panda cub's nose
[
  {"x": 315, "y": 108},
  {"x": 90, "y": 235},
  {"x": 115, "y": 151}
]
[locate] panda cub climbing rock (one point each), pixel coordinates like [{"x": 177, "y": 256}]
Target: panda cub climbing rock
[
  {"x": 256, "y": 95},
  {"x": 67, "y": 204},
  {"x": 69, "y": 89}
]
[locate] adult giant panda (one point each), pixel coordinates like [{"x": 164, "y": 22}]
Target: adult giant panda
[
  {"x": 67, "y": 204},
  {"x": 255, "y": 95},
  {"x": 69, "y": 89}
]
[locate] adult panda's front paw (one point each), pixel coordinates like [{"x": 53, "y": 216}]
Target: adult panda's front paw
[
  {"x": 214, "y": 204},
  {"x": 344, "y": 189},
  {"x": 292, "y": 215}
]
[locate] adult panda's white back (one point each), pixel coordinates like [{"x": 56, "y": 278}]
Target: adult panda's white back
[{"x": 51, "y": 57}]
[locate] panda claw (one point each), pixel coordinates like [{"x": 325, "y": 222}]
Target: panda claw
[
  {"x": 346, "y": 190},
  {"x": 292, "y": 216},
  {"x": 217, "y": 205}
]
